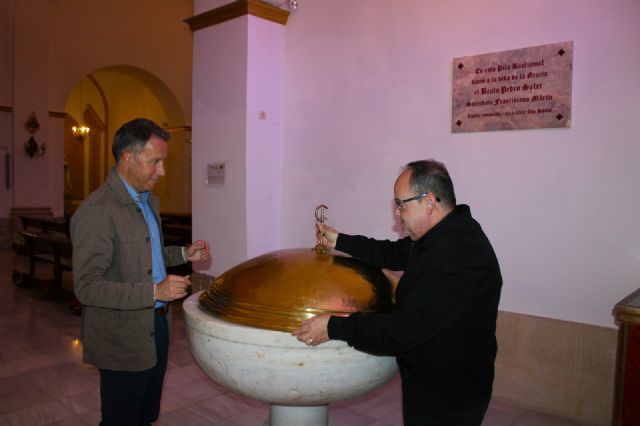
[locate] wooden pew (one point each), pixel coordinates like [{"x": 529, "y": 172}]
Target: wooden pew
[
  {"x": 50, "y": 249},
  {"x": 46, "y": 242},
  {"x": 176, "y": 229},
  {"x": 176, "y": 218},
  {"x": 45, "y": 224}
]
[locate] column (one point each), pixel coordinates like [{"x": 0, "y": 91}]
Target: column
[{"x": 237, "y": 128}]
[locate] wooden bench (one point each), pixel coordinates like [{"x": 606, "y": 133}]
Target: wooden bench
[
  {"x": 176, "y": 230},
  {"x": 176, "y": 234},
  {"x": 176, "y": 218},
  {"x": 46, "y": 242},
  {"x": 45, "y": 224}
]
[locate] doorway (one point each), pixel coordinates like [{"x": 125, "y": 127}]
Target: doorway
[{"x": 104, "y": 100}]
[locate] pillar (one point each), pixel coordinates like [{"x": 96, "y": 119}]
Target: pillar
[{"x": 237, "y": 129}]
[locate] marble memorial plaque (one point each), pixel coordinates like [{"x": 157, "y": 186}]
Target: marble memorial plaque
[{"x": 514, "y": 89}]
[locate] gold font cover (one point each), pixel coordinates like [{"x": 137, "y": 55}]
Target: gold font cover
[{"x": 279, "y": 290}]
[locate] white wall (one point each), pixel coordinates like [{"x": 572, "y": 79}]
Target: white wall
[
  {"x": 5, "y": 149},
  {"x": 238, "y": 79},
  {"x": 32, "y": 177},
  {"x": 6, "y": 96},
  {"x": 149, "y": 35},
  {"x": 219, "y": 135},
  {"x": 6, "y": 51},
  {"x": 264, "y": 135},
  {"x": 368, "y": 88}
]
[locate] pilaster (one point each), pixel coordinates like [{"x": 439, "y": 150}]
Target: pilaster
[{"x": 237, "y": 123}]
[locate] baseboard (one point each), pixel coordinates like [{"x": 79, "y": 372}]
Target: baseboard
[{"x": 557, "y": 367}]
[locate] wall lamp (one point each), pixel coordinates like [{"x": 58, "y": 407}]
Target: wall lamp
[{"x": 80, "y": 132}]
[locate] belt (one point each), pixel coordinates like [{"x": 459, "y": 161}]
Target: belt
[{"x": 161, "y": 310}]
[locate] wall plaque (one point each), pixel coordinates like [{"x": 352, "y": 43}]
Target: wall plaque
[
  {"x": 514, "y": 89},
  {"x": 216, "y": 173}
]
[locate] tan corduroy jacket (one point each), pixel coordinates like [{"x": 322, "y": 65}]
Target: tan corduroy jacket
[{"x": 112, "y": 278}]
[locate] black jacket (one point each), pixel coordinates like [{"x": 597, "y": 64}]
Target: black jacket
[{"x": 442, "y": 329}]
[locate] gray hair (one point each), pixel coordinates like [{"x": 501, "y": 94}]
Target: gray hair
[
  {"x": 432, "y": 176},
  {"x": 134, "y": 135}
]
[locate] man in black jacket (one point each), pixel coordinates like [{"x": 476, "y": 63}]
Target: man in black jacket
[{"x": 442, "y": 329}]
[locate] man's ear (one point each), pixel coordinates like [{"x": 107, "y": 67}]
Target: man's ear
[
  {"x": 430, "y": 204},
  {"x": 126, "y": 157}
]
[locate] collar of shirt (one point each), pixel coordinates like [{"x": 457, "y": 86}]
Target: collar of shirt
[
  {"x": 141, "y": 199},
  {"x": 135, "y": 195}
]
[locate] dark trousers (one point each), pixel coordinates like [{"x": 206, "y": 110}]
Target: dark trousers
[
  {"x": 132, "y": 398},
  {"x": 464, "y": 417}
]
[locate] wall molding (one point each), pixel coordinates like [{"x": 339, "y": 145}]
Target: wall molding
[
  {"x": 57, "y": 114},
  {"x": 238, "y": 8},
  {"x": 5, "y": 108}
]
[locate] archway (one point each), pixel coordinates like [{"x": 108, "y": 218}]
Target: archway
[{"x": 105, "y": 99}]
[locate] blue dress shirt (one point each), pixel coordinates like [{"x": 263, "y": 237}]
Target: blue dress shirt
[{"x": 158, "y": 271}]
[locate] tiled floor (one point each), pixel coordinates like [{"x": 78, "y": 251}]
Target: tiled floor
[{"x": 44, "y": 382}]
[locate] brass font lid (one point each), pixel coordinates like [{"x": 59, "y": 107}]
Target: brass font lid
[{"x": 279, "y": 290}]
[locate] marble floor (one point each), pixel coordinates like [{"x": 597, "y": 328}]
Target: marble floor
[{"x": 44, "y": 382}]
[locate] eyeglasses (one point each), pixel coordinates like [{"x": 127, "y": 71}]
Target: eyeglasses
[{"x": 400, "y": 204}]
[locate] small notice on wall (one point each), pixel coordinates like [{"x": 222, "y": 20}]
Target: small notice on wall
[
  {"x": 514, "y": 89},
  {"x": 216, "y": 173}
]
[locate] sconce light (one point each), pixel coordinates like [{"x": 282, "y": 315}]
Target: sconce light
[
  {"x": 80, "y": 132},
  {"x": 32, "y": 124},
  {"x": 31, "y": 147}
]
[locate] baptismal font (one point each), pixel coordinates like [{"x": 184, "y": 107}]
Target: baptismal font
[{"x": 239, "y": 330}]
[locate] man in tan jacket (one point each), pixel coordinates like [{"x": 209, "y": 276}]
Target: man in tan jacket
[{"x": 120, "y": 278}]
